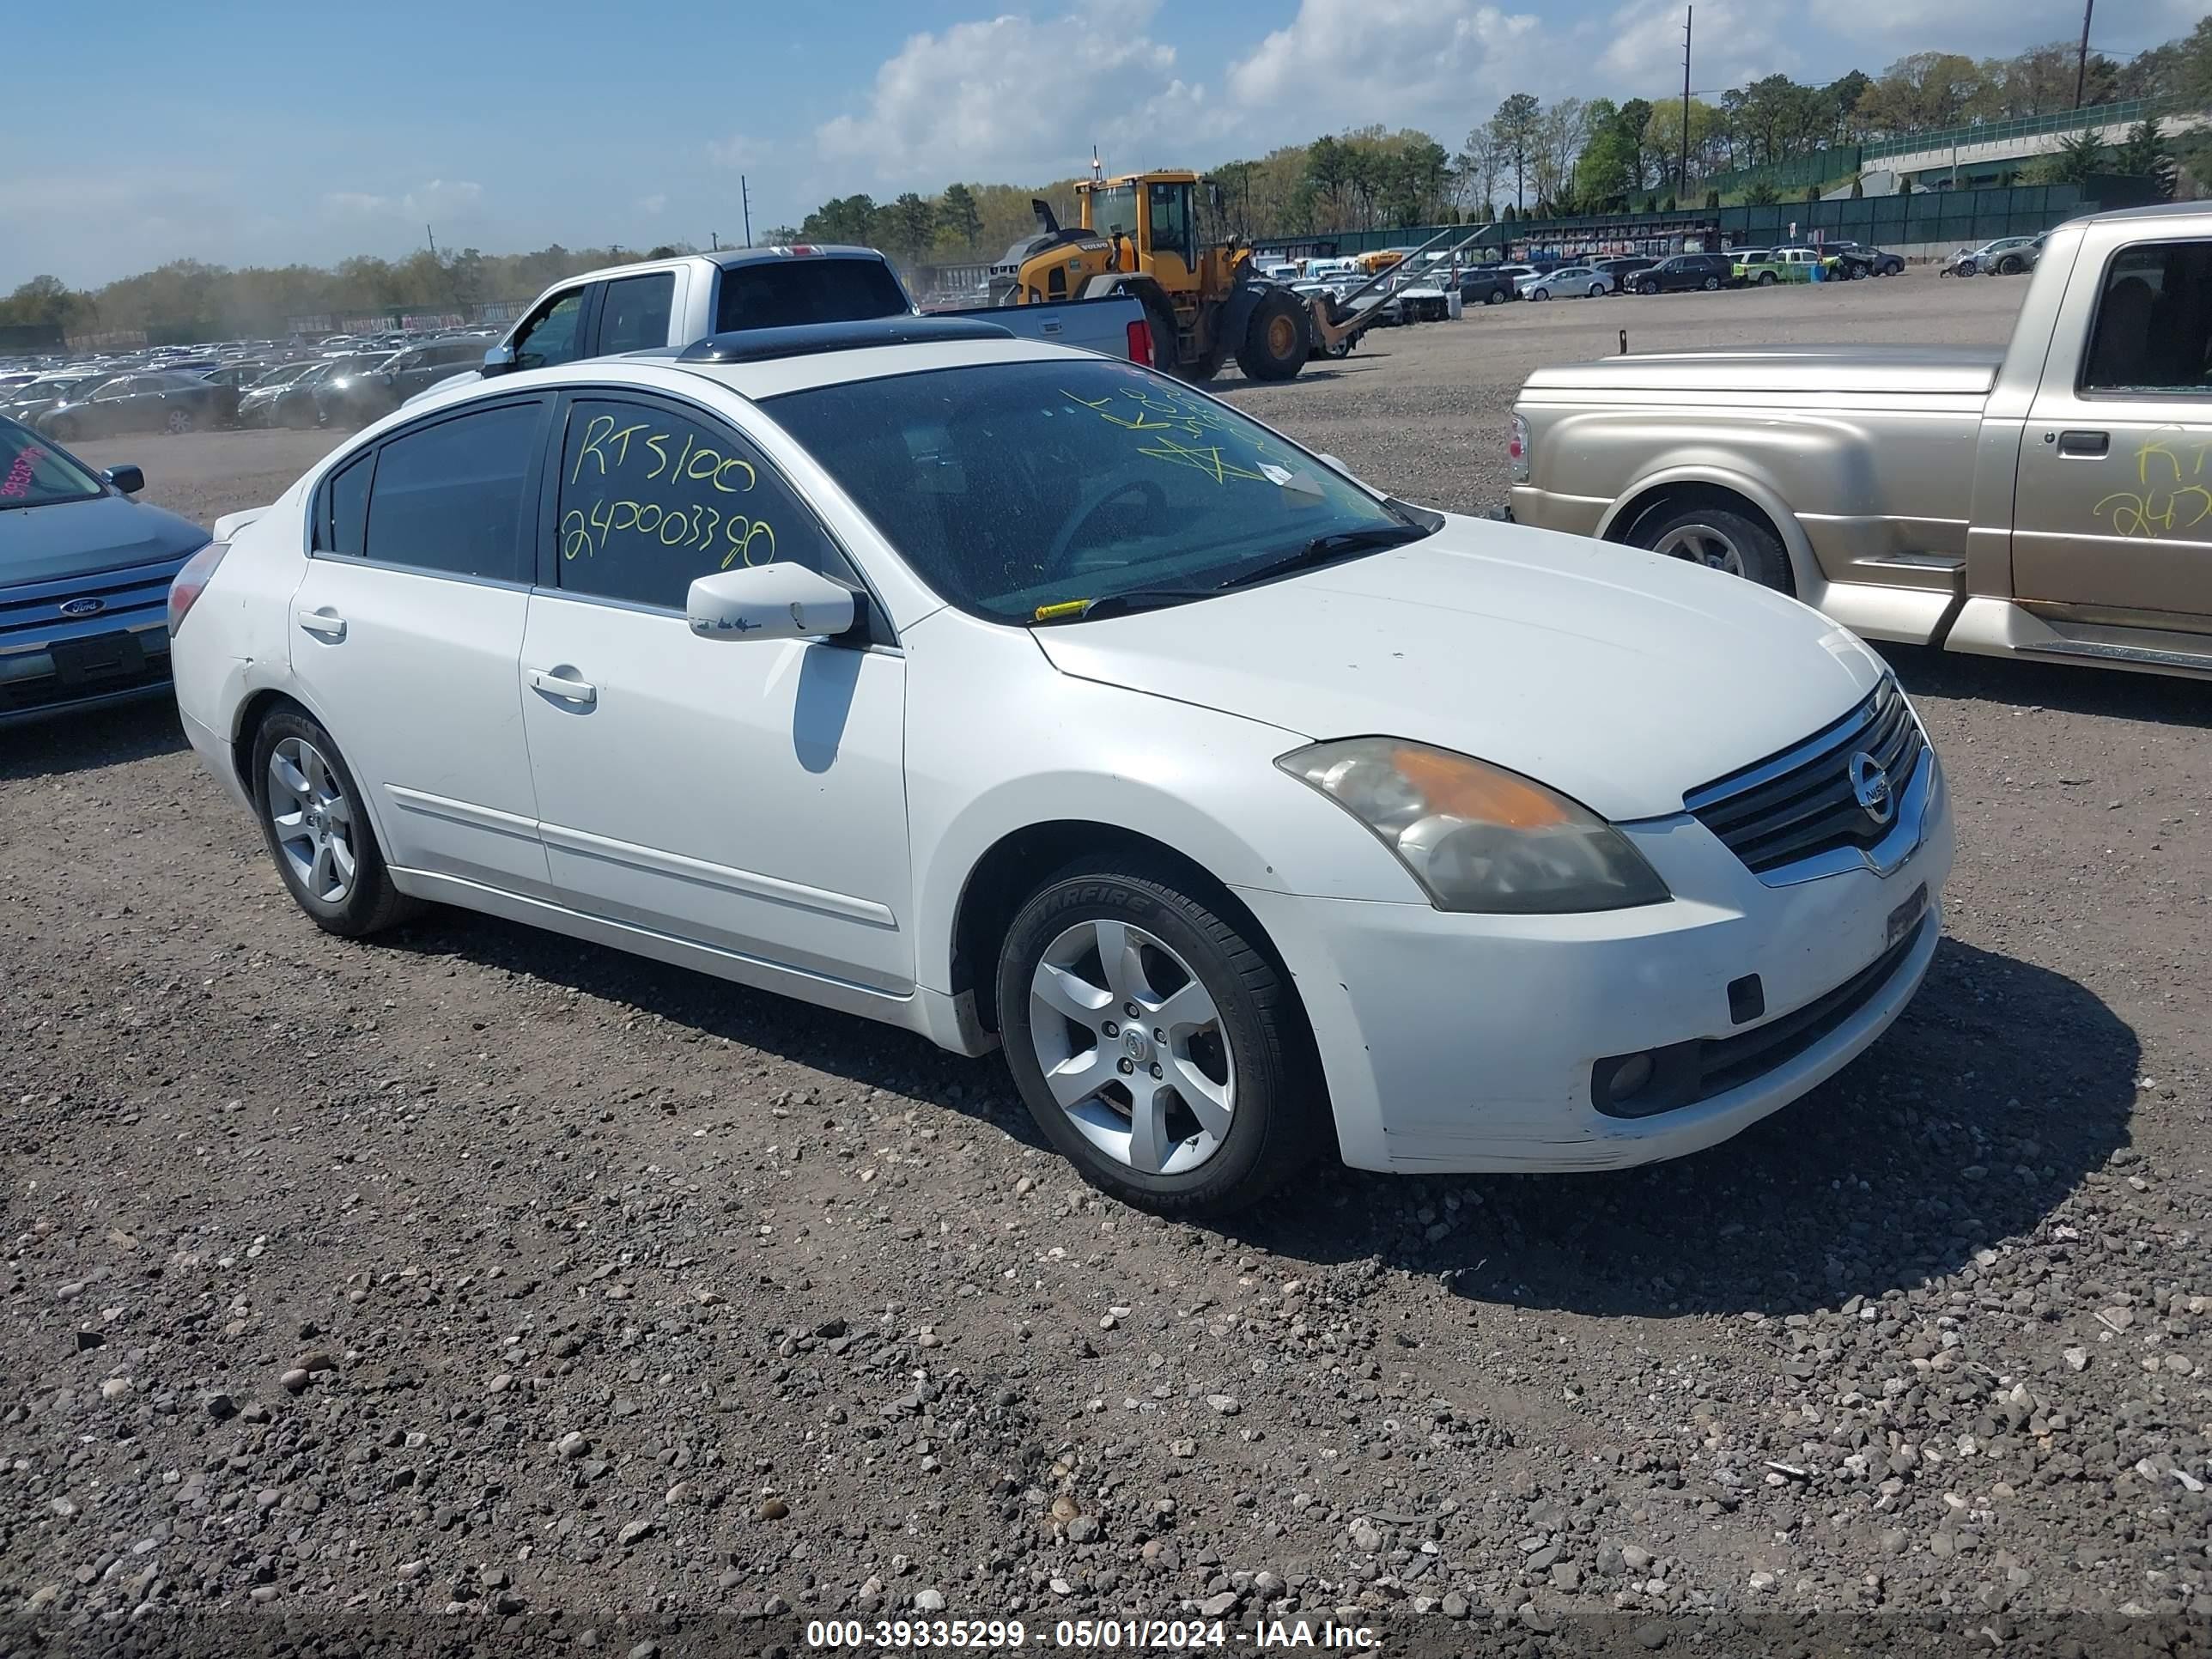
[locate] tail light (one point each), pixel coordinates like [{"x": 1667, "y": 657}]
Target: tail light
[
  {"x": 1140, "y": 344},
  {"x": 1516, "y": 450},
  {"x": 192, "y": 581}
]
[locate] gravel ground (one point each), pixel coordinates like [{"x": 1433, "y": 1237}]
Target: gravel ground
[{"x": 483, "y": 1282}]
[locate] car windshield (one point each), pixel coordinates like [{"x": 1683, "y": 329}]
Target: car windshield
[
  {"x": 35, "y": 474},
  {"x": 1026, "y": 491}
]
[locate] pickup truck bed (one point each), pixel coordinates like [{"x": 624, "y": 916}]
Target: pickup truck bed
[{"x": 2053, "y": 500}]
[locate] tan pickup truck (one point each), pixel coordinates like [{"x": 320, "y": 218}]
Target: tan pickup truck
[{"x": 2053, "y": 500}]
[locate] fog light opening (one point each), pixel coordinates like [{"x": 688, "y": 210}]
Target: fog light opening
[{"x": 1629, "y": 1077}]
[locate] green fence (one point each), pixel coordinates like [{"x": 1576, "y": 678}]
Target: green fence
[
  {"x": 1962, "y": 217},
  {"x": 2125, "y": 114},
  {"x": 1818, "y": 167}
]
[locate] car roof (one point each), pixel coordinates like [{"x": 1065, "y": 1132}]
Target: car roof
[
  {"x": 730, "y": 259},
  {"x": 761, "y": 377}
]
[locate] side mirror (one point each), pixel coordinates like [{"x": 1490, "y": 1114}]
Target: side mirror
[
  {"x": 769, "y": 602},
  {"x": 127, "y": 479},
  {"x": 499, "y": 360}
]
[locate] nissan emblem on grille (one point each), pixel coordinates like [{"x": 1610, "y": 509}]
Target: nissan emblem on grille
[
  {"x": 1870, "y": 787},
  {"x": 84, "y": 607}
]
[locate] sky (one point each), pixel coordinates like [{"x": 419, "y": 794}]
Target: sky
[{"x": 255, "y": 132}]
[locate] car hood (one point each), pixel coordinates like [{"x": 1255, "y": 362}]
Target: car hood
[
  {"x": 1619, "y": 678},
  {"x": 82, "y": 538}
]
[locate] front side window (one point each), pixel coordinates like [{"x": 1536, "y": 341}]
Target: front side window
[
  {"x": 633, "y": 315},
  {"x": 35, "y": 474},
  {"x": 2152, "y": 330},
  {"x": 120, "y": 388},
  {"x": 1021, "y": 490},
  {"x": 651, "y": 500},
  {"x": 549, "y": 336},
  {"x": 450, "y": 497}
]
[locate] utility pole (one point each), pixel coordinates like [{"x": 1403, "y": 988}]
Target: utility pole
[
  {"x": 1689, "y": 15},
  {"x": 433, "y": 234},
  {"x": 714, "y": 242},
  {"x": 2081, "y": 59},
  {"x": 745, "y": 196}
]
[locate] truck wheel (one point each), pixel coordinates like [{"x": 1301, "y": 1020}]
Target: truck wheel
[
  {"x": 1495, "y": 297},
  {"x": 1647, "y": 287},
  {"x": 1859, "y": 273},
  {"x": 1277, "y": 339},
  {"x": 1718, "y": 537},
  {"x": 1766, "y": 279}
]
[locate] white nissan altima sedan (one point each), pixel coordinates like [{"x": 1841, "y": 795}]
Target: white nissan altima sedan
[{"x": 1027, "y": 698}]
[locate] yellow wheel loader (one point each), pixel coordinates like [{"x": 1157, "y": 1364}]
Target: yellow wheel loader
[{"x": 1205, "y": 301}]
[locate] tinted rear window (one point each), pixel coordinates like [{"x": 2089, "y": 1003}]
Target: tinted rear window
[{"x": 785, "y": 293}]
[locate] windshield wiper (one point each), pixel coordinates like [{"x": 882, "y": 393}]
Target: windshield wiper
[
  {"x": 1327, "y": 550},
  {"x": 1137, "y": 598}
]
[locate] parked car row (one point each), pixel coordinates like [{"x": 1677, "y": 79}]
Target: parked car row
[
  {"x": 344, "y": 381},
  {"x": 2007, "y": 256}
]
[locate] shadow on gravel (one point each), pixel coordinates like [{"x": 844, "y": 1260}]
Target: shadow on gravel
[
  {"x": 2161, "y": 698},
  {"x": 845, "y": 1045},
  {"x": 113, "y": 736},
  {"x": 2002, "y": 1086}
]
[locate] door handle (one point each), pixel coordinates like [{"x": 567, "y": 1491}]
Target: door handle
[
  {"x": 324, "y": 624},
  {"x": 568, "y": 691},
  {"x": 2092, "y": 445}
]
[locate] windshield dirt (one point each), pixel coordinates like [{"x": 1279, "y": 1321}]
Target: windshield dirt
[{"x": 1025, "y": 492}]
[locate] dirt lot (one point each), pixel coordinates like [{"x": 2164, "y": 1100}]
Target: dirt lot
[{"x": 482, "y": 1276}]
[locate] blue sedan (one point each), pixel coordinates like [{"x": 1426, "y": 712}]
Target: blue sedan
[{"x": 84, "y": 580}]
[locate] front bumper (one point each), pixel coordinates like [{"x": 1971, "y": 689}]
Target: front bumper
[{"x": 1455, "y": 1043}]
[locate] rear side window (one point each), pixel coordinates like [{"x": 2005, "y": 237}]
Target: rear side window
[
  {"x": 633, "y": 315},
  {"x": 342, "y": 517},
  {"x": 651, "y": 500},
  {"x": 2153, "y": 332},
  {"x": 785, "y": 293},
  {"x": 452, "y": 497}
]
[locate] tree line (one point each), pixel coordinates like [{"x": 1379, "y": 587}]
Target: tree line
[{"x": 1527, "y": 158}]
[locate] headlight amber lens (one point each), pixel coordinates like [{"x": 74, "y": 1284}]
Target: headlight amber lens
[{"x": 1476, "y": 836}]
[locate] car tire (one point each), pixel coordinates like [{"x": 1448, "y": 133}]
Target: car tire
[
  {"x": 313, "y": 819},
  {"x": 1712, "y": 284},
  {"x": 1648, "y": 289},
  {"x": 1718, "y": 537},
  {"x": 1766, "y": 279},
  {"x": 1249, "y": 1051},
  {"x": 1495, "y": 297},
  {"x": 1860, "y": 273},
  {"x": 1596, "y": 289},
  {"x": 177, "y": 420},
  {"x": 1278, "y": 338},
  {"x": 2010, "y": 266},
  {"x": 1539, "y": 293}
]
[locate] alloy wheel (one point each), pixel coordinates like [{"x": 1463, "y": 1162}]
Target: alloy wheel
[
  {"x": 313, "y": 820},
  {"x": 180, "y": 420},
  {"x": 1132, "y": 1046},
  {"x": 1701, "y": 544}
]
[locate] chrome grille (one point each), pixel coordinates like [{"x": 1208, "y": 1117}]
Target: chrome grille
[{"x": 1799, "y": 804}]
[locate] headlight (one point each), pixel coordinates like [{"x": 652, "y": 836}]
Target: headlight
[{"x": 1476, "y": 836}]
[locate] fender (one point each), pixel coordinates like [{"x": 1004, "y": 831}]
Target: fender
[{"x": 1804, "y": 567}]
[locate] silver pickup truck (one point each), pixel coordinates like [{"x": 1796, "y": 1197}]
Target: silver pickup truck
[{"x": 2052, "y": 500}]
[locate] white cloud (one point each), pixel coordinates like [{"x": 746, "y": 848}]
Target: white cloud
[
  {"x": 1013, "y": 98},
  {"x": 1973, "y": 27},
  {"x": 735, "y": 151},
  {"x": 650, "y": 205},
  {"x": 356, "y": 204},
  {"x": 455, "y": 198},
  {"x": 1440, "y": 65},
  {"x": 1736, "y": 41}
]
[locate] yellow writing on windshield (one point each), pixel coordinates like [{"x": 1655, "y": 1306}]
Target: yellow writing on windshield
[{"x": 1206, "y": 459}]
